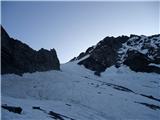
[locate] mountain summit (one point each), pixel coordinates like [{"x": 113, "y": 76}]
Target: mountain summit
[
  {"x": 139, "y": 53},
  {"x": 18, "y": 58},
  {"x": 123, "y": 92}
]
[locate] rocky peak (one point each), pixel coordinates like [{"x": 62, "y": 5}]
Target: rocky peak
[
  {"x": 18, "y": 57},
  {"x": 123, "y": 50}
]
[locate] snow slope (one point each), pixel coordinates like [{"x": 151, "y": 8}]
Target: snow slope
[{"x": 77, "y": 94}]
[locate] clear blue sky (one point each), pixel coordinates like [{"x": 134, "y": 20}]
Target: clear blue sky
[{"x": 72, "y": 27}]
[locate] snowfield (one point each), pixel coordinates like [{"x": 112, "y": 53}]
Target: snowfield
[{"x": 75, "y": 93}]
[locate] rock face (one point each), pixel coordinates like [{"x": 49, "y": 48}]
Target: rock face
[
  {"x": 140, "y": 63},
  {"x": 104, "y": 54},
  {"x": 18, "y": 58},
  {"x": 137, "y": 52}
]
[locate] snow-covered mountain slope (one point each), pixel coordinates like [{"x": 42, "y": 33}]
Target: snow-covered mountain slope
[{"x": 75, "y": 93}]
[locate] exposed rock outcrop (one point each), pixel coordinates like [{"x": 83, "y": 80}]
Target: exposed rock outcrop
[
  {"x": 140, "y": 63},
  {"x": 104, "y": 54},
  {"x": 18, "y": 58},
  {"x": 137, "y": 52},
  {"x": 12, "y": 109}
]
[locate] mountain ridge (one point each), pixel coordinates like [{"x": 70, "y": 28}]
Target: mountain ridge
[
  {"x": 136, "y": 52},
  {"x": 74, "y": 92},
  {"x": 123, "y": 50},
  {"x": 18, "y": 57}
]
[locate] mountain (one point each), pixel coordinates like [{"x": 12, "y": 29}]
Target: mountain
[
  {"x": 124, "y": 91},
  {"x": 139, "y": 53},
  {"x": 18, "y": 57}
]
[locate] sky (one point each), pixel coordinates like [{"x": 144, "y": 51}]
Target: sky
[{"x": 72, "y": 27}]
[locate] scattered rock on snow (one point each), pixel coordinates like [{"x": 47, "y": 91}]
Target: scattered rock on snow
[
  {"x": 151, "y": 106},
  {"x": 12, "y": 109}
]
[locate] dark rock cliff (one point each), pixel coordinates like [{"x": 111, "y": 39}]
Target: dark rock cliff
[
  {"x": 137, "y": 52},
  {"x": 104, "y": 54},
  {"x": 18, "y": 58}
]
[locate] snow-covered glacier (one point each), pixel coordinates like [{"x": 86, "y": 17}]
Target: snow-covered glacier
[{"x": 75, "y": 93}]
